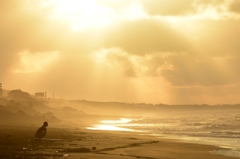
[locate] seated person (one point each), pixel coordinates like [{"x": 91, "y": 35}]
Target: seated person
[{"x": 42, "y": 131}]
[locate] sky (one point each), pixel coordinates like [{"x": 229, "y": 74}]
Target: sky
[{"x": 135, "y": 51}]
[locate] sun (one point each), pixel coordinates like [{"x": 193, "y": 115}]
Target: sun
[{"x": 84, "y": 14}]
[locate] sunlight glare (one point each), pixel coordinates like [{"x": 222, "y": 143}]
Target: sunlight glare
[
  {"x": 82, "y": 14},
  {"x": 108, "y": 127},
  {"x": 122, "y": 121}
]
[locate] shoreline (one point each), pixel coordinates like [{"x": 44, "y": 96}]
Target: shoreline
[
  {"x": 79, "y": 144},
  {"x": 223, "y": 147}
]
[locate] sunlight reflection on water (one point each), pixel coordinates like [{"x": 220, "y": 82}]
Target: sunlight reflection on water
[
  {"x": 112, "y": 125},
  {"x": 121, "y": 121},
  {"x": 108, "y": 127}
]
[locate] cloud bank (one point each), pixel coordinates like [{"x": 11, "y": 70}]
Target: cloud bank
[{"x": 171, "y": 51}]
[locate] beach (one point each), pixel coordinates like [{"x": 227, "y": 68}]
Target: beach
[{"x": 18, "y": 142}]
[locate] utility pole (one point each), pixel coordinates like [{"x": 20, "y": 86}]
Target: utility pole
[{"x": 1, "y": 91}]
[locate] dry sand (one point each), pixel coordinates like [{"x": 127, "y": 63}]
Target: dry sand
[{"x": 16, "y": 142}]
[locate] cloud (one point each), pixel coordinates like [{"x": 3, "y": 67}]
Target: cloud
[
  {"x": 178, "y": 69},
  {"x": 25, "y": 26},
  {"x": 208, "y": 59},
  {"x": 118, "y": 59},
  {"x": 35, "y": 62}
]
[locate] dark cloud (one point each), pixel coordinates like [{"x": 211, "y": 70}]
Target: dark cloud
[
  {"x": 215, "y": 61},
  {"x": 145, "y": 36},
  {"x": 219, "y": 38},
  {"x": 235, "y": 6},
  {"x": 209, "y": 2},
  {"x": 185, "y": 66},
  {"x": 185, "y": 7},
  {"x": 187, "y": 71},
  {"x": 168, "y": 7}
]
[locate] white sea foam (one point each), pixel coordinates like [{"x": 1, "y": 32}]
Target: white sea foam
[{"x": 209, "y": 130}]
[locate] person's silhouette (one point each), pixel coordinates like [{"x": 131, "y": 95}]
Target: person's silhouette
[{"x": 42, "y": 131}]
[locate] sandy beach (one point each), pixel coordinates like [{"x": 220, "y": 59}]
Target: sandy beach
[{"x": 17, "y": 142}]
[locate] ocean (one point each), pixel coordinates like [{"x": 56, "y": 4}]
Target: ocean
[{"x": 221, "y": 129}]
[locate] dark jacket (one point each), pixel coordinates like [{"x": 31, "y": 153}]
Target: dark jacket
[{"x": 41, "y": 132}]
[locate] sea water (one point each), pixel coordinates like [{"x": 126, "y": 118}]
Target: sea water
[{"x": 222, "y": 130}]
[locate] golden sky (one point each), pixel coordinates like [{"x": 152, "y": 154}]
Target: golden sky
[{"x": 151, "y": 51}]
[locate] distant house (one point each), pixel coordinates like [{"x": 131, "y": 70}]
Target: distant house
[{"x": 42, "y": 95}]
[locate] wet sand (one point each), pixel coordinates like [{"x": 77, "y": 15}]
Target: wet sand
[{"x": 17, "y": 142}]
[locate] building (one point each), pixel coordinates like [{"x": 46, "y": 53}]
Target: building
[{"x": 42, "y": 95}]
